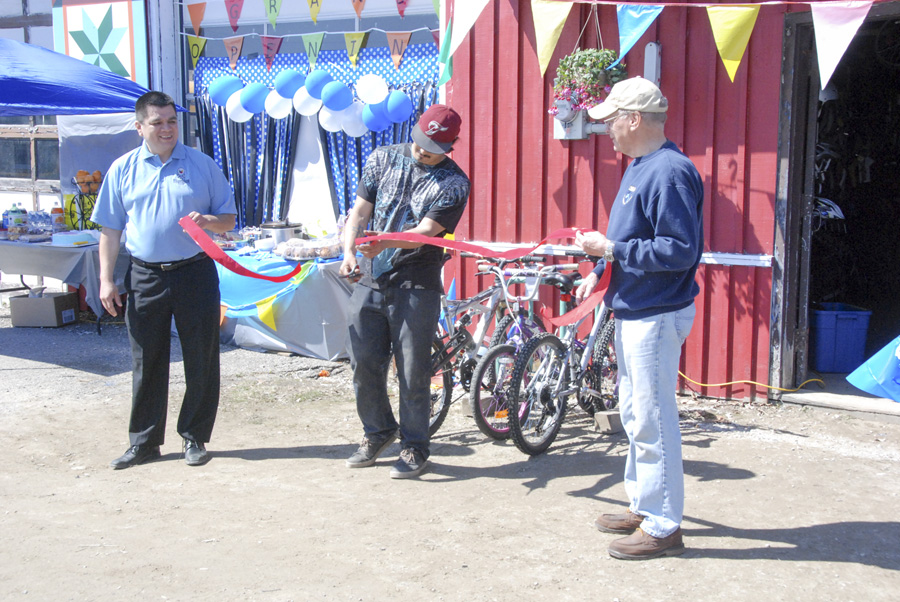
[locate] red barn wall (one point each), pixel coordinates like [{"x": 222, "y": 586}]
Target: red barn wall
[{"x": 525, "y": 184}]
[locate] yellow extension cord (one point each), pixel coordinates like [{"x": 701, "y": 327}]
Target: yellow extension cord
[{"x": 750, "y": 382}]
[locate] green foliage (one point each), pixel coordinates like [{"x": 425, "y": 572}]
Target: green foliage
[{"x": 583, "y": 77}]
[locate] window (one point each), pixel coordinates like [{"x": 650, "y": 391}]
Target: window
[{"x": 29, "y": 154}]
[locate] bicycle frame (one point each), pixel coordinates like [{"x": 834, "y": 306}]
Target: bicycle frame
[{"x": 577, "y": 371}]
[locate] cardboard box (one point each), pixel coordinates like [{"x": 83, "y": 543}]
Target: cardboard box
[{"x": 53, "y": 309}]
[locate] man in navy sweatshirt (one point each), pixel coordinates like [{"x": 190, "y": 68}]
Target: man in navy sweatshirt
[{"x": 653, "y": 247}]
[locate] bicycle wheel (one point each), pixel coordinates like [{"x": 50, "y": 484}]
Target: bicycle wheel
[
  {"x": 507, "y": 329},
  {"x": 603, "y": 373},
  {"x": 536, "y": 415},
  {"x": 488, "y": 396},
  {"x": 441, "y": 387}
]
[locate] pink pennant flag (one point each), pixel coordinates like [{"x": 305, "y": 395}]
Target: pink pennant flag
[
  {"x": 233, "y": 49},
  {"x": 436, "y": 34},
  {"x": 270, "y": 45},
  {"x": 196, "y": 12},
  {"x": 397, "y": 42},
  {"x": 358, "y": 6},
  {"x": 234, "y": 8},
  {"x": 835, "y": 25},
  {"x": 401, "y": 7}
]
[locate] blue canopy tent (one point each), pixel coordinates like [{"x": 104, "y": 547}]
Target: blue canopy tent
[{"x": 37, "y": 81}]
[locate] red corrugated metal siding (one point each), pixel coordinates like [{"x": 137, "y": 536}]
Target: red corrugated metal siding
[{"x": 526, "y": 184}]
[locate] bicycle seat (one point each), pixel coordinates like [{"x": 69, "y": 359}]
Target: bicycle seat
[{"x": 564, "y": 282}]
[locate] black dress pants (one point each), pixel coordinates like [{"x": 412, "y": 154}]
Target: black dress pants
[{"x": 190, "y": 294}]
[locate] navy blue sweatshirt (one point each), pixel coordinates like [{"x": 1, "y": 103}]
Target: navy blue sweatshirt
[{"x": 656, "y": 224}]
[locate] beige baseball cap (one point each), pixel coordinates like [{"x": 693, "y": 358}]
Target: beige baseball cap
[{"x": 634, "y": 94}]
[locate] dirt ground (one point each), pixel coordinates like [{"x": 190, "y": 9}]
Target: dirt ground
[{"x": 783, "y": 503}]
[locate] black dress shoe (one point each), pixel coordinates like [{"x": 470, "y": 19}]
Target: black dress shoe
[
  {"x": 195, "y": 453},
  {"x": 136, "y": 454}
]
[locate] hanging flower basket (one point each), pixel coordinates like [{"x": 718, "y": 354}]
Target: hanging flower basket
[{"x": 583, "y": 78}]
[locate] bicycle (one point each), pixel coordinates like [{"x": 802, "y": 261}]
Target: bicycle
[{"x": 550, "y": 370}]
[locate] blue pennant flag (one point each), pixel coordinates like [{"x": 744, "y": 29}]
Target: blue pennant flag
[{"x": 633, "y": 22}]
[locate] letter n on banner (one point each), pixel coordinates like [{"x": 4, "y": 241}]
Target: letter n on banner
[
  {"x": 196, "y": 45},
  {"x": 312, "y": 43},
  {"x": 233, "y": 49},
  {"x": 355, "y": 41},
  {"x": 270, "y": 45},
  {"x": 398, "y": 41}
]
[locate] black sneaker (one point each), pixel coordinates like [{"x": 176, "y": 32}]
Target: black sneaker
[
  {"x": 195, "y": 453},
  {"x": 369, "y": 450},
  {"x": 136, "y": 454},
  {"x": 411, "y": 464}
]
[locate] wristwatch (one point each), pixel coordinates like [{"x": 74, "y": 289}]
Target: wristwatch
[{"x": 608, "y": 253}]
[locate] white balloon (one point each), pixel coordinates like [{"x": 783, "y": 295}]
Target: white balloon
[
  {"x": 330, "y": 120},
  {"x": 371, "y": 89},
  {"x": 277, "y": 106},
  {"x": 305, "y": 104},
  {"x": 352, "y": 123},
  {"x": 235, "y": 110}
]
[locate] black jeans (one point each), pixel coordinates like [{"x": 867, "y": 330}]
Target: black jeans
[{"x": 190, "y": 294}]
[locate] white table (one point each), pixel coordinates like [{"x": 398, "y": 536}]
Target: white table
[{"x": 76, "y": 266}]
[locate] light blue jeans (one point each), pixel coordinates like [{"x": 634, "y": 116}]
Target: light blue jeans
[{"x": 649, "y": 351}]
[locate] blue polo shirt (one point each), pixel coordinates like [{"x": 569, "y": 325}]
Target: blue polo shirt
[{"x": 146, "y": 198}]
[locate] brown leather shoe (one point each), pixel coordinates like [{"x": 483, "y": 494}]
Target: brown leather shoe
[
  {"x": 640, "y": 546},
  {"x": 619, "y": 523}
]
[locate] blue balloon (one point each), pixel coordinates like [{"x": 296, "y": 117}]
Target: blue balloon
[
  {"x": 253, "y": 97},
  {"x": 288, "y": 82},
  {"x": 373, "y": 117},
  {"x": 398, "y": 106},
  {"x": 315, "y": 81},
  {"x": 336, "y": 96},
  {"x": 221, "y": 89}
]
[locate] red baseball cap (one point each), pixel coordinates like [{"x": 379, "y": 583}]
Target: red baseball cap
[{"x": 437, "y": 129}]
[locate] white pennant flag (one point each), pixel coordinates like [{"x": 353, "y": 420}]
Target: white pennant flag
[
  {"x": 464, "y": 16},
  {"x": 835, "y": 24}
]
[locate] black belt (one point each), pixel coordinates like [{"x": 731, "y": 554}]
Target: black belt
[{"x": 170, "y": 265}]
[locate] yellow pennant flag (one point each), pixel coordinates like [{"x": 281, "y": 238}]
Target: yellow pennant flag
[
  {"x": 354, "y": 43},
  {"x": 265, "y": 309},
  {"x": 314, "y": 7},
  {"x": 549, "y": 18},
  {"x": 196, "y": 45},
  {"x": 732, "y": 26}
]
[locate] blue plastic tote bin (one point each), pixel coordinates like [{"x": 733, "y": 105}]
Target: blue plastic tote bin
[{"x": 838, "y": 337}]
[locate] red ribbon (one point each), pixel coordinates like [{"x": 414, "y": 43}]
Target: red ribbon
[{"x": 586, "y": 306}]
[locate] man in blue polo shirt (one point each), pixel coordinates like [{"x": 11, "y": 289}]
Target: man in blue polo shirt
[{"x": 144, "y": 194}]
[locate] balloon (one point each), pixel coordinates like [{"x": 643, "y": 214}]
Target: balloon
[
  {"x": 371, "y": 89},
  {"x": 253, "y": 97},
  {"x": 352, "y": 122},
  {"x": 398, "y": 106},
  {"x": 374, "y": 118},
  {"x": 306, "y": 104},
  {"x": 235, "y": 110},
  {"x": 336, "y": 96},
  {"x": 330, "y": 120},
  {"x": 277, "y": 106},
  {"x": 288, "y": 82},
  {"x": 221, "y": 89},
  {"x": 315, "y": 81}
]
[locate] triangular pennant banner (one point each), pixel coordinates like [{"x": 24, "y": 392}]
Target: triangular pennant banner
[
  {"x": 271, "y": 45},
  {"x": 633, "y": 22},
  {"x": 835, "y": 24},
  {"x": 354, "y": 42},
  {"x": 273, "y": 7},
  {"x": 314, "y": 7},
  {"x": 233, "y": 49},
  {"x": 196, "y": 46},
  {"x": 732, "y": 26},
  {"x": 358, "y": 6},
  {"x": 464, "y": 15},
  {"x": 196, "y": 12},
  {"x": 445, "y": 58},
  {"x": 401, "y": 7},
  {"x": 437, "y": 7},
  {"x": 397, "y": 42},
  {"x": 234, "y": 8},
  {"x": 312, "y": 43},
  {"x": 436, "y": 34},
  {"x": 549, "y": 18}
]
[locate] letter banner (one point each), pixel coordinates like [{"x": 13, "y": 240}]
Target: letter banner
[
  {"x": 549, "y": 18},
  {"x": 835, "y": 24},
  {"x": 354, "y": 41},
  {"x": 358, "y": 6},
  {"x": 436, "y": 34},
  {"x": 464, "y": 14},
  {"x": 234, "y": 8},
  {"x": 444, "y": 58},
  {"x": 233, "y": 49},
  {"x": 633, "y": 22},
  {"x": 401, "y": 6},
  {"x": 196, "y": 46},
  {"x": 314, "y": 7},
  {"x": 273, "y": 7},
  {"x": 196, "y": 12},
  {"x": 271, "y": 45},
  {"x": 732, "y": 26},
  {"x": 312, "y": 43},
  {"x": 398, "y": 41}
]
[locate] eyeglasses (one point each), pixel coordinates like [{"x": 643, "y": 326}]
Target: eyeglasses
[{"x": 610, "y": 120}]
